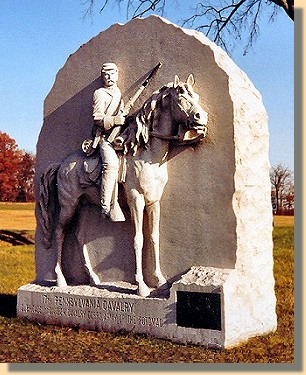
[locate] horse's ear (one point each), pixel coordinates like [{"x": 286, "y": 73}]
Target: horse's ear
[
  {"x": 176, "y": 81},
  {"x": 190, "y": 80}
]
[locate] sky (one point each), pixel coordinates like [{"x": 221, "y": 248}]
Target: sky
[{"x": 37, "y": 37}]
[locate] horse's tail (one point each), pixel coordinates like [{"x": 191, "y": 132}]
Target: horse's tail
[{"x": 48, "y": 202}]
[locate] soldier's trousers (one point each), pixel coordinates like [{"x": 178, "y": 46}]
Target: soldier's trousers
[{"x": 110, "y": 165}]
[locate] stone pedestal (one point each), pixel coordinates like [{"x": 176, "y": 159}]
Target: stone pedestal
[
  {"x": 216, "y": 216},
  {"x": 193, "y": 312},
  {"x": 198, "y": 309}
]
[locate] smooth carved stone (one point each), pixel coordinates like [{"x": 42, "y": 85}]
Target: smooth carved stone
[
  {"x": 216, "y": 216},
  {"x": 196, "y": 206}
]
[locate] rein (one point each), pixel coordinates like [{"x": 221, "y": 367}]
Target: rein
[
  {"x": 165, "y": 137},
  {"x": 174, "y": 137},
  {"x": 171, "y": 137},
  {"x": 180, "y": 140}
]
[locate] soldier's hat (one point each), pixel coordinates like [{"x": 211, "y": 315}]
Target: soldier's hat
[{"x": 108, "y": 66}]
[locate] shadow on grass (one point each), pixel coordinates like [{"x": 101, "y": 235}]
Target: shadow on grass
[
  {"x": 8, "y": 303},
  {"x": 15, "y": 238}
]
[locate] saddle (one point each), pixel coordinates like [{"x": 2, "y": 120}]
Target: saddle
[
  {"x": 92, "y": 168},
  {"x": 91, "y": 175}
]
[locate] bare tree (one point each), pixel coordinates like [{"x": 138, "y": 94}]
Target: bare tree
[
  {"x": 223, "y": 21},
  {"x": 289, "y": 197},
  {"x": 281, "y": 181}
]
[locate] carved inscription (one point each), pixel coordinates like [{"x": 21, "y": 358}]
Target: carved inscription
[
  {"x": 94, "y": 303},
  {"x": 95, "y": 309}
]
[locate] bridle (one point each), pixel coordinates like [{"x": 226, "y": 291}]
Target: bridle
[
  {"x": 178, "y": 138},
  {"x": 164, "y": 137}
]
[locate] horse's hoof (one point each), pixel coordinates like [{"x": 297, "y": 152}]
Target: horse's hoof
[
  {"x": 94, "y": 280},
  {"x": 61, "y": 283},
  {"x": 160, "y": 281},
  {"x": 143, "y": 290}
]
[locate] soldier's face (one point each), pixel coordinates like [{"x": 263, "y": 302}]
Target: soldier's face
[{"x": 110, "y": 77}]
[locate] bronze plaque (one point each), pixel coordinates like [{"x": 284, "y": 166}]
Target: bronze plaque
[{"x": 198, "y": 310}]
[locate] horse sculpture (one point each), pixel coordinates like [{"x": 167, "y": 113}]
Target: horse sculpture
[{"x": 171, "y": 114}]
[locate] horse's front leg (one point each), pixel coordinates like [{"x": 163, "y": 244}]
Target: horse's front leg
[
  {"x": 137, "y": 204},
  {"x": 93, "y": 277},
  {"x": 153, "y": 210}
]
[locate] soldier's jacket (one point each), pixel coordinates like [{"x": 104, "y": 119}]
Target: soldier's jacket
[{"x": 107, "y": 102}]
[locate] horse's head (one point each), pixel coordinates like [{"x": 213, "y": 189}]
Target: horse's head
[
  {"x": 172, "y": 113},
  {"x": 187, "y": 111}
]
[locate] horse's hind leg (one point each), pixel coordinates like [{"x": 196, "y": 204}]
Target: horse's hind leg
[
  {"x": 64, "y": 219},
  {"x": 153, "y": 210},
  {"x": 81, "y": 237},
  {"x": 59, "y": 235}
]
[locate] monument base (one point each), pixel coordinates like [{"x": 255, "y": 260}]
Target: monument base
[{"x": 193, "y": 311}]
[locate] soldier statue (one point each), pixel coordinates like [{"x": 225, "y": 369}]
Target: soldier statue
[{"x": 108, "y": 112}]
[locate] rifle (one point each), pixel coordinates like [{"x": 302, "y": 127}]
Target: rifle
[{"x": 132, "y": 101}]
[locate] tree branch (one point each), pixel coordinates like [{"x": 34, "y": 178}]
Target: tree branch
[
  {"x": 228, "y": 19},
  {"x": 224, "y": 23},
  {"x": 287, "y": 5}
]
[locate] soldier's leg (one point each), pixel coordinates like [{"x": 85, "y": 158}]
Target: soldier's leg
[{"x": 110, "y": 165}]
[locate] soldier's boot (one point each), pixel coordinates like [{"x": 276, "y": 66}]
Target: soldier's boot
[
  {"x": 110, "y": 207},
  {"x": 116, "y": 213},
  {"x": 109, "y": 177}
]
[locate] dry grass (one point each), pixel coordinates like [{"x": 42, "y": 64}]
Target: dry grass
[
  {"x": 17, "y": 224},
  {"x": 283, "y": 221},
  {"x": 20, "y": 217},
  {"x": 17, "y": 216}
]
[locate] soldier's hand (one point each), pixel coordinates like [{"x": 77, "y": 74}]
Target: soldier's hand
[
  {"x": 119, "y": 120},
  {"x": 99, "y": 123}
]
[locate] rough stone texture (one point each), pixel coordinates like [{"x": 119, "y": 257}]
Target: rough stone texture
[
  {"x": 251, "y": 285},
  {"x": 216, "y": 209}
]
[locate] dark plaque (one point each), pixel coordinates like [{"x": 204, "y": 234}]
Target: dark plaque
[{"x": 198, "y": 310}]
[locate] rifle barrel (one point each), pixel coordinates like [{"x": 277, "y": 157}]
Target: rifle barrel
[
  {"x": 153, "y": 72},
  {"x": 133, "y": 99}
]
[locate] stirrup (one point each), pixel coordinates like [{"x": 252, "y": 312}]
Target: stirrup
[
  {"x": 105, "y": 214},
  {"x": 87, "y": 147}
]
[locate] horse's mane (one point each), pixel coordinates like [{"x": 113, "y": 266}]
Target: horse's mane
[
  {"x": 147, "y": 115},
  {"x": 145, "y": 119}
]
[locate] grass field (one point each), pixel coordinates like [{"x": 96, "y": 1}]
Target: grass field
[
  {"x": 284, "y": 221},
  {"x": 17, "y": 216},
  {"x": 34, "y": 342}
]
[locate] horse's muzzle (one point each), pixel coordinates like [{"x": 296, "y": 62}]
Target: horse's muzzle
[
  {"x": 199, "y": 118},
  {"x": 195, "y": 133}
]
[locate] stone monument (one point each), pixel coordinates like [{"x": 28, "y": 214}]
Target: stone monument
[{"x": 190, "y": 257}]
